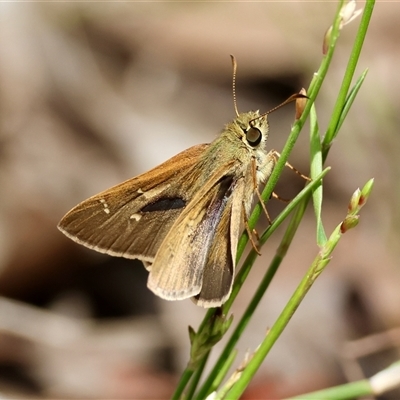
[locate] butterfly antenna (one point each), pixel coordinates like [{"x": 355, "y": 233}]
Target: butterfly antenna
[
  {"x": 288, "y": 100},
  {"x": 234, "y": 67},
  {"x": 293, "y": 97}
]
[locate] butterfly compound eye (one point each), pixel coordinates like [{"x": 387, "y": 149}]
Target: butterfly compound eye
[{"x": 253, "y": 136}]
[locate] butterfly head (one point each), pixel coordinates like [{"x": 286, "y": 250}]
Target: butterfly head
[{"x": 252, "y": 129}]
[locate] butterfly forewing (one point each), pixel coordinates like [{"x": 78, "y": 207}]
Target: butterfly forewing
[{"x": 132, "y": 218}]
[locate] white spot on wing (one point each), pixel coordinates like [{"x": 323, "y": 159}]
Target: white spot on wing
[
  {"x": 105, "y": 205},
  {"x": 140, "y": 191},
  {"x": 136, "y": 217}
]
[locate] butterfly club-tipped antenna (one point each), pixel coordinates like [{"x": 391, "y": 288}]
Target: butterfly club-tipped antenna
[
  {"x": 234, "y": 68},
  {"x": 293, "y": 97}
]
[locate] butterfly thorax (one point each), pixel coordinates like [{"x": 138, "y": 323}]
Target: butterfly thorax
[{"x": 240, "y": 141}]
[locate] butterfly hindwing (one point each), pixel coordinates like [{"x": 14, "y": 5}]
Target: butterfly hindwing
[
  {"x": 219, "y": 270},
  {"x": 177, "y": 271}
]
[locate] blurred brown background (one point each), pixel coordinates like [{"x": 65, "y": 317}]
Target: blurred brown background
[{"x": 94, "y": 93}]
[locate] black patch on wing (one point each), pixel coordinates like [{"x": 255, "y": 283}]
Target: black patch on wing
[
  {"x": 165, "y": 204},
  {"x": 227, "y": 184}
]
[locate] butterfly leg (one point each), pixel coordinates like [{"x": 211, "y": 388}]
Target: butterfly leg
[
  {"x": 255, "y": 233},
  {"x": 276, "y": 196},
  {"x": 249, "y": 233},
  {"x": 255, "y": 187},
  {"x": 276, "y": 154}
]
